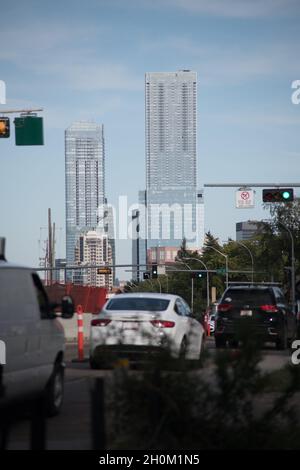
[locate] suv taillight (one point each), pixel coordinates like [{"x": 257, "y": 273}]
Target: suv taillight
[
  {"x": 100, "y": 322},
  {"x": 224, "y": 307},
  {"x": 269, "y": 308},
  {"x": 163, "y": 323}
]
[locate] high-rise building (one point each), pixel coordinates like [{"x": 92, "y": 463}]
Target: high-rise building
[
  {"x": 174, "y": 208},
  {"x": 85, "y": 182},
  {"x": 246, "y": 230},
  {"x": 93, "y": 248}
]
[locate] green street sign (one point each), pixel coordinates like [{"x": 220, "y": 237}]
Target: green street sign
[
  {"x": 29, "y": 130},
  {"x": 221, "y": 271}
]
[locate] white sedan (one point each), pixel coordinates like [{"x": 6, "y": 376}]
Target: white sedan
[{"x": 133, "y": 325}]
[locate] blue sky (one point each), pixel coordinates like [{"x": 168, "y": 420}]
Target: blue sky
[{"x": 87, "y": 60}]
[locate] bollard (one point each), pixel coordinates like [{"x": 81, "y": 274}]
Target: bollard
[{"x": 80, "y": 334}]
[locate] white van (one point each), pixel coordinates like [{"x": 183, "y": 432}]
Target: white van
[{"x": 32, "y": 339}]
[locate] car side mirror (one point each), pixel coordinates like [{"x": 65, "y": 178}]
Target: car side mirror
[{"x": 67, "y": 307}]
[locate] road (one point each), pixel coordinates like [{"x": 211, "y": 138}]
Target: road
[{"x": 71, "y": 430}]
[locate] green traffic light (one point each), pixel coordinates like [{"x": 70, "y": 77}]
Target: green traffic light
[{"x": 286, "y": 195}]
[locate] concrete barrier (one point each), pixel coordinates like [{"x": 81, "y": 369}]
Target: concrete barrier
[{"x": 70, "y": 326}]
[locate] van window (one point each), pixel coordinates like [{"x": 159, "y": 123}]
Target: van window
[
  {"x": 16, "y": 295},
  {"x": 42, "y": 297}
]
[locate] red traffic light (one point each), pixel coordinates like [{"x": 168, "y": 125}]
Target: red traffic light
[
  {"x": 4, "y": 127},
  {"x": 278, "y": 195}
]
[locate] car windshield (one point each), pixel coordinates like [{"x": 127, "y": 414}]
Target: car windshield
[
  {"x": 138, "y": 303},
  {"x": 248, "y": 296}
]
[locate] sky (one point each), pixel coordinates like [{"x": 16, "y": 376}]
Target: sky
[{"x": 87, "y": 61}]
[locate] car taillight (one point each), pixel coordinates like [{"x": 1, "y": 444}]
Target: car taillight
[
  {"x": 224, "y": 307},
  {"x": 269, "y": 308},
  {"x": 100, "y": 322},
  {"x": 163, "y": 323}
]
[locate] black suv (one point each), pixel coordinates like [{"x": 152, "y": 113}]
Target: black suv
[{"x": 262, "y": 310}]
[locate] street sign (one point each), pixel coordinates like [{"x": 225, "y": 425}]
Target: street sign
[
  {"x": 161, "y": 270},
  {"x": 244, "y": 199},
  {"x": 221, "y": 271},
  {"x": 29, "y": 130},
  {"x": 103, "y": 270}
]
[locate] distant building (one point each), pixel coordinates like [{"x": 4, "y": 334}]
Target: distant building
[
  {"x": 93, "y": 248},
  {"x": 171, "y": 153},
  {"x": 246, "y": 230},
  {"x": 59, "y": 274},
  {"x": 162, "y": 255},
  {"x": 85, "y": 185}
]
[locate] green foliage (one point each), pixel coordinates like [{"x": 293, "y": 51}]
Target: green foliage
[{"x": 226, "y": 408}]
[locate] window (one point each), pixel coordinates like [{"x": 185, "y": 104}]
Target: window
[
  {"x": 42, "y": 297},
  {"x": 138, "y": 304}
]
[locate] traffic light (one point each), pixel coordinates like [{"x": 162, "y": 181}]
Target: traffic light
[
  {"x": 4, "y": 127},
  {"x": 146, "y": 275},
  {"x": 154, "y": 271},
  {"x": 278, "y": 195},
  {"x": 196, "y": 275}
]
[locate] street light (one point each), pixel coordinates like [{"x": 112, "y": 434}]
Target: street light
[
  {"x": 178, "y": 260},
  {"x": 250, "y": 253},
  {"x": 207, "y": 277},
  {"x": 226, "y": 260},
  {"x": 292, "y": 260}
]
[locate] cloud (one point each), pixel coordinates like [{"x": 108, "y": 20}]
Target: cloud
[
  {"x": 67, "y": 54},
  {"x": 232, "y": 8}
]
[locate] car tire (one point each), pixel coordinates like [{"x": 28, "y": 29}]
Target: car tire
[
  {"x": 183, "y": 348},
  {"x": 281, "y": 343},
  {"x": 54, "y": 393},
  {"x": 220, "y": 342}
]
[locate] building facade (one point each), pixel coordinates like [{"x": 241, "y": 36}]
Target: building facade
[
  {"x": 93, "y": 248},
  {"x": 85, "y": 181},
  {"x": 171, "y": 152},
  {"x": 246, "y": 230}
]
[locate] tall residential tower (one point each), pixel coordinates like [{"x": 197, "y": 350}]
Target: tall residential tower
[
  {"x": 85, "y": 187},
  {"x": 174, "y": 206}
]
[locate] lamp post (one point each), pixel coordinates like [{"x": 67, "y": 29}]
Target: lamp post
[
  {"x": 207, "y": 278},
  {"x": 226, "y": 260},
  {"x": 292, "y": 261},
  {"x": 251, "y": 256},
  {"x": 178, "y": 260}
]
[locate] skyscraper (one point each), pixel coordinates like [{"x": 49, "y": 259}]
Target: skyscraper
[
  {"x": 85, "y": 183},
  {"x": 174, "y": 209}
]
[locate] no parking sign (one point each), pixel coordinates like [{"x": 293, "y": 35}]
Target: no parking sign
[{"x": 244, "y": 199}]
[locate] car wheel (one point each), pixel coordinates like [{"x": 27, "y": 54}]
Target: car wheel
[
  {"x": 54, "y": 393},
  {"x": 220, "y": 342},
  {"x": 281, "y": 343}
]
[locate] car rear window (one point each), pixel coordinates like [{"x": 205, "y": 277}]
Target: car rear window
[
  {"x": 249, "y": 296},
  {"x": 137, "y": 303}
]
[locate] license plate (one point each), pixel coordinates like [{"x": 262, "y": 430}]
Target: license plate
[
  {"x": 246, "y": 313},
  {"x": 130, "y": 325}
]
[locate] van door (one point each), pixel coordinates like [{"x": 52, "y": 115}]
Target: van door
[{"x": 19, "y": 329}]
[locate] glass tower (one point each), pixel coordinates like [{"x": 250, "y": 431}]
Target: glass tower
[
  {"x": 171, "y": 175},
  {"x": 85, "y": 190}
]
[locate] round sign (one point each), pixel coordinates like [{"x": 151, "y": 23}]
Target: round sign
[{"x": 245, "y": 195}]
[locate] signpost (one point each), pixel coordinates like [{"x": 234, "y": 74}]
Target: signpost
[{"x": 244, "y": 198}]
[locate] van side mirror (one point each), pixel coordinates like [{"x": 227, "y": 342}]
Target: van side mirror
[{"x": 67, "y": 307}]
